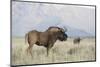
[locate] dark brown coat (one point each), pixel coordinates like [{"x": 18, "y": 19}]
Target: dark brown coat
[{"x": 46, "y": 38}]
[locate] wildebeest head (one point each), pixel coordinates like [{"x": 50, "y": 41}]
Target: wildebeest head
[
  {"x": 62, "y": 36},
  {"x": 59, "y": 33}
]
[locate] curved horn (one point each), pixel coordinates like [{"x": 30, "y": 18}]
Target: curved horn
[{"x": 65, "y": 29}]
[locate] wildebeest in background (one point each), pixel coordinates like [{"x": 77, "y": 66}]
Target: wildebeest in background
[
  {"x": 77, "y": 40},
  {"x": 46, "y": 38}
]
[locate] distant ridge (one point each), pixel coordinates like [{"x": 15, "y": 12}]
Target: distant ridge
[{"x": 72, "y": 32}]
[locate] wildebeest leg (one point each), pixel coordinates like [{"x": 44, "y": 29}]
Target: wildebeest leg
[
  {"x": 48, "y": 49},
  {"x": 29, "y": 49}
]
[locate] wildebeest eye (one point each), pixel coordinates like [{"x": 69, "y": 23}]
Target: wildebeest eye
[{"x": 62, "y": 31}]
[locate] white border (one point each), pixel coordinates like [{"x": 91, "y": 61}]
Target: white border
[{"x": 5, "y": 33}]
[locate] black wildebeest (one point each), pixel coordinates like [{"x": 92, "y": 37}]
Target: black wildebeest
[
  {"x": 46, "y": 38},
  {"x": 77, "y": 40}
]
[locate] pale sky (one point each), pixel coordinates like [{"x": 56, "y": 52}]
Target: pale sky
[{"x": 27, "y": 16}]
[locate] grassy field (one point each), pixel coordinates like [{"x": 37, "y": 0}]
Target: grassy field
[{"x": 61, "y": 52}]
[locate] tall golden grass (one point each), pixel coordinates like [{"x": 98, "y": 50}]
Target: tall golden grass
[{"x": 65, "y": 51}]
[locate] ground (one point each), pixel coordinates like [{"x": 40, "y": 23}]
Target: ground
[{"x": 65, "y": 51}]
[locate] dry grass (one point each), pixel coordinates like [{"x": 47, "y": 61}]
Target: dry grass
[{"x": 61, "y": 52}]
